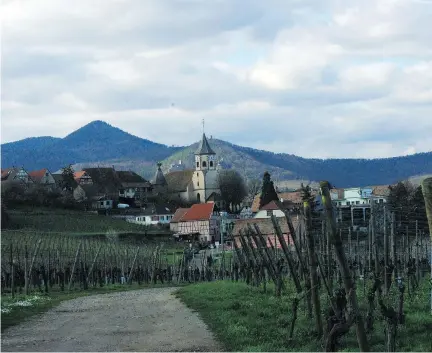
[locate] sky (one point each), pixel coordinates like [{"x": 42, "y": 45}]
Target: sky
[{"x": 315, "y": 78}]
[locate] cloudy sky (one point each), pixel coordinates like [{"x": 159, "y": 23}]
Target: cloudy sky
[{"x": 316, "y": 78}]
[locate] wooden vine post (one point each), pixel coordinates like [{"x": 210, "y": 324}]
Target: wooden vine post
[
  {"x": 427, "y": 194},
  {"x": 312, "y": 265},
  {"x": 341, "y": 258}
]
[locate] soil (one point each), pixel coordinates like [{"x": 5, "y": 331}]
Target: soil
[{"x": 142, "y": 320}]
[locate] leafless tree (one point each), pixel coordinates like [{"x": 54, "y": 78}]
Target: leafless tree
[
  {"x": 253, "y": 188},
  {"x": 232, "y": 187}
]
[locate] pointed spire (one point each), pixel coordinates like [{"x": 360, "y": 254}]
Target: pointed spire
[
  {"x": 159, "y": 178},
  {"x": 204, "y": 147}
]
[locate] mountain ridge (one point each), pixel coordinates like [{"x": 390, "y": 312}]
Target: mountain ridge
[{"x": 99, "y": 143}]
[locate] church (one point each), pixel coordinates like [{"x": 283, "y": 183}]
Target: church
[{"x": 197, "y": 185}]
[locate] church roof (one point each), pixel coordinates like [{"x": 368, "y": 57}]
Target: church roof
[
  {"x": 204, "y": 147},
  {"x": 159, "y": 178},
  {"x": 179, "y": 180}
]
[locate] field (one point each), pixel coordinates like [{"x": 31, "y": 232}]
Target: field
[
  {"x": 311, "y": 294},
  {"x": 248, "y": 320},
  {"x": 75, "y": 222}
]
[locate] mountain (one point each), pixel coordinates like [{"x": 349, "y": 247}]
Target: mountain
[
  {"x": 99, "y": 143},
  {"x": 96, "y": 142},
  {"x": 283, "y": 167}
]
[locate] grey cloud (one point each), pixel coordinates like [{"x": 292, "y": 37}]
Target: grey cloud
[{"x": 62, "y": 57}]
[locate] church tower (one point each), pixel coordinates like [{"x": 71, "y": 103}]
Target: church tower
[
  {"x": 205, "y": 175},
  {"x": 205, "y": 157}
]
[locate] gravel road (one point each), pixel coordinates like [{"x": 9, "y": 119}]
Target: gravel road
[{"x": 143, "y": 320}]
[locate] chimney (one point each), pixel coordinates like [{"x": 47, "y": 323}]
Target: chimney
[{"x": 180, "y": 161}]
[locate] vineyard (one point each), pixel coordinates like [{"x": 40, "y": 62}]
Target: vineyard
[{"x": 342, "y": 277}]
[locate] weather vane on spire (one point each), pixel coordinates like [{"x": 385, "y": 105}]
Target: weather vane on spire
[{"x": 203, "y": 124}]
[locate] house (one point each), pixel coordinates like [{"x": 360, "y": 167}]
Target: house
[
  {"x": 153, "y": 214},
  {"x": 273, "y": 208},
  {"x": 291, "y": 201},
  {"x": 101, "y": 203},
  {"x": 106, "y": 181},
  {"x": 83, "y": 178},
  {"x": 201, "y": 222},
  {"x": 267, "y": 230},
  {"x": 15, "y": 176},
  {"x": 134, "y": 188},
  {"x": 194, "y": 185},
  {"x": 43, "y": 177},
  {"x": 58, "y": 180},
  {"x": 178, "y": 215},
  {"x": 354, "y": 204},
  {"x": 246, "y": 212},
  {"x": 92, "y": 197},
  {"x": 217, "y": 199}
]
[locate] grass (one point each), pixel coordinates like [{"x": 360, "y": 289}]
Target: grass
[
  {"x": 245, "y": 319},
  {"x": 20, "y": 310},
  {"x": 77, "y": 222}
]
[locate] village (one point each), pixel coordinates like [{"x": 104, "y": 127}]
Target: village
[{"x": 189, "y": 202}]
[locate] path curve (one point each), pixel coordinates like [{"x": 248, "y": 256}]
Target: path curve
[{"x": 142, "y": 320}]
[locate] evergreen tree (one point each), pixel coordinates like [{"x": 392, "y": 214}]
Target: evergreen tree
[
  {"x": 268, "y": 192},
  {"x": 68, "y": 181},
  {"x": 407, "y": 203}
]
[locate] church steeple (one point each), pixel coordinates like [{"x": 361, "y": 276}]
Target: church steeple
[
  {"x": 159, "y": 178},
  {"x": 204, "y": 147},
  {"x": 205, "y": 157}
]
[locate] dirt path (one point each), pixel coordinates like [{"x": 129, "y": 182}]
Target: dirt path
[{"x": 142, "y": 320}]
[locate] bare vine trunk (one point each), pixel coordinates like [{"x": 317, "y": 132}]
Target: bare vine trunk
[
  {"x": 313, "y": 270},
  {"x": 347, "y": 279},
  {"x": 427, "y": 194}
]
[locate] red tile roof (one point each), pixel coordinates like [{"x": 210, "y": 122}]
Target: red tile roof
[
  {"x": 37, "y": 175},
  {"x": 178, "y": 215},
  {"x": 381, "y": 190},
  {"x": 271, "y": 206},
  {"x": 5, "y": 173},
  {"x": 78, "y": 175},
  {"x": 266, "y": 228},
  {"x": 199, "y": 212},
  {"x": 294, "y": 197}
]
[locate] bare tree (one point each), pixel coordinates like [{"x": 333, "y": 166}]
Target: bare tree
[
  {"x": 232, "y": 187},
  {"x": 253, "y": 188}
]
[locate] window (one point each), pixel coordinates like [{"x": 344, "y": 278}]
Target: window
[
  {"x": 357, "y": 202},
  {"x": 199, "y": 197},
  {"x": 269, "y": 213},
  {"x": 198, "y": 183},
  {"x": 204, "y": 164},
  {"x": 381, "y": 201},
  {"x": 211, "y": 164},
  {"x": 348, "y": 203},
  {"x": 101, "y": 203},
  {"x": 197, "y": 164}
]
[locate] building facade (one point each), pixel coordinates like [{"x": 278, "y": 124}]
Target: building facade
[{"x": 197, "y": 185}]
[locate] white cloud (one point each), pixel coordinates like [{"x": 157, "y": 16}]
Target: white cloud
[{"x": 313, "y": 78}]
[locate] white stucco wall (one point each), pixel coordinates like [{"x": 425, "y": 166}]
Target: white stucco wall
[
  {"x": 263, "y": 214},
  {"x": 149, "y": 220}
]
